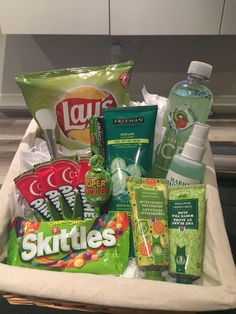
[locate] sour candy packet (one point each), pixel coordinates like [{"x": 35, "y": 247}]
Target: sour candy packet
[
  {"x": 66, "y": 175},
  {"x": 75, "y": 95},
  {"x": 96, "y": 246},
  {"x": 30, "y": 188},
  {"x": 48, "y": 184}
]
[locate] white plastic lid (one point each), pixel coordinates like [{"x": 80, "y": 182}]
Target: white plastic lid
[
  {"x": 200, "y": 68},
  {"x": 195, "y": 146}
]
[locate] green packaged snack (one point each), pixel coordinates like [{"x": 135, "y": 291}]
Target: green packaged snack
[
  {"x": 97, "y": 246},
  {"x": 129, "y": 133},
  {"x": 148, "y": 200},
  {"x": 97, "y": 184},
  {"x": 187, "y": 205},
  {"x": 75, "y": 95}
]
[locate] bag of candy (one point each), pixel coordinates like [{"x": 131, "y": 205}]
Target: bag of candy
[{"x": 96, "y": 246}]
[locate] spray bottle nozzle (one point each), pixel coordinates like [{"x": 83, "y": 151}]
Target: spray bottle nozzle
[{"x": 194, "y": 148}]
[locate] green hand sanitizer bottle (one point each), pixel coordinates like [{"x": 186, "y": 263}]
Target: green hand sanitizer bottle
[
  {"x": 187, "y": 168},
  {"x": 189, "y": 101}
]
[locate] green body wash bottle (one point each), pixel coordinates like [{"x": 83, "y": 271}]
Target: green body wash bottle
[
  {"x": 189, "y": 101},
  {"x": 187, "y": 168}
]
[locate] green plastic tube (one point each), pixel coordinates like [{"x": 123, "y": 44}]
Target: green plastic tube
[
  {"x": 129, "y": 133},
  {"x": 186, "y": 211}
]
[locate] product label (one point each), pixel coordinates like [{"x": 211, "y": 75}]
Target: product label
[
  {"x": 129, "y": 143},
  {"x": 148, "y": 199},
  {"x": 150, "y": 203},
  {"x": 66, "y": 175},
  {"x": 186, "y": 229},
  {"x": 39, "y": 245},
  {"x": 179, "y": 126},
  {"x": 29, "y": 186},
  {"x": 87, "y": 209},
  {"x": 181, "y": 118},
  {"x": 183, "y": 214},
  {"x": 180, "y": 259},
  {"x": 75, "y": 113},
  {"x": 175, "y": 179},
  {"x": 47, "y": 179}
]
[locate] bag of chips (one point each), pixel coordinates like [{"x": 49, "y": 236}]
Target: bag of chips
[{"x": 75, "y": 95}]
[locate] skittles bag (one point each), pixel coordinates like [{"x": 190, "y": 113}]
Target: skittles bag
[{"x": 96, "y": 246}]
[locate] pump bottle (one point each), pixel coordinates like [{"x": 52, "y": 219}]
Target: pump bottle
[{"x": 187, "y": 168}]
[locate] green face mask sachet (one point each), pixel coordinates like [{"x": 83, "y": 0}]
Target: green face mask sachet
[
  {"x": 186, "y": 211},
  {"x": 129, "y": 133}
]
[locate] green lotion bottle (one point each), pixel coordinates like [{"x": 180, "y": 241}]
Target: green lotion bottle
[{"x": 187, "y": 168}]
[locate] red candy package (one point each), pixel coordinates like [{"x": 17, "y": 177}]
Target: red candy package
[
  {"x": 60, "y": 191},
  {"x": 46, "y": 176},
  {"x": 66, "y": 174},
  {"x": 30, "y": 187}
]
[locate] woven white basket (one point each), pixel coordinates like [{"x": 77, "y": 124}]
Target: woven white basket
[{"x": 215, "y": 290}]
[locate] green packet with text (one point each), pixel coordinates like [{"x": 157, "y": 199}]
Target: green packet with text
[
  {"x": 187, "y": 216},
  {"x": 148, "y": 200},
  {"x": 96, "y": 246}
]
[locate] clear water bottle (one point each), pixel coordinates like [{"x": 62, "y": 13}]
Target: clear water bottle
[{"x": 189, "y": 101}]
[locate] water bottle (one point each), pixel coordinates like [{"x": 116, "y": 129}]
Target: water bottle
[{"x": 189, "y": 102}]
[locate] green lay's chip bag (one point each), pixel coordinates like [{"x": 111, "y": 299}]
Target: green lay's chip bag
[
  {"x": 75, "y": 95},
  {"x": 96, "y": 246}
]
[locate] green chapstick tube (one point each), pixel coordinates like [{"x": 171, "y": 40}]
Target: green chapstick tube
[{"x": 97, "y": 184}]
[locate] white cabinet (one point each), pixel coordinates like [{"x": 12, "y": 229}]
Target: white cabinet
[
  {"x": 229, "y": 18},
  {"x": 118, "y": 17},
  {"x": 165, "y": 17},
  {"x": 54, "y": 17}
]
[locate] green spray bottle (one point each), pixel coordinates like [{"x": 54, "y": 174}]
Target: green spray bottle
[{"x": 187, "y": 168}]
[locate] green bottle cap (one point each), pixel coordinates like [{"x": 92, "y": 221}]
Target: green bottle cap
[
  {"x": 184, "y": 280},
  {"x": 153, "y": 275}
]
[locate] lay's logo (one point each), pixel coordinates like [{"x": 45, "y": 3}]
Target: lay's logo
[{"x": 77, "y": 107}]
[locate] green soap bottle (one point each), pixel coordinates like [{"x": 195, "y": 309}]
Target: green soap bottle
[
  {"x": 189, "y": 101},
  {"x": 186, "y": 168}
]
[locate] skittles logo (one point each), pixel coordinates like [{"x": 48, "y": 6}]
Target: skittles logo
[
  {"x": 72, "y": 244},
  {"x": 39, "y": 245}
]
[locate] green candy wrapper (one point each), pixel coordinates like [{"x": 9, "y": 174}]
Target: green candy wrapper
[
  {"x": 97, "y": 184},
  {"x": 96, "y": 246}
]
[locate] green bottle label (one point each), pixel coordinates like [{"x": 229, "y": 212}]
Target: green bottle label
[
  {"x": 180, "y": 259},
  {"x": 183, "y": 214},
  {"x": 150, "y": 203},
  {"x": 186, "y": 208}
]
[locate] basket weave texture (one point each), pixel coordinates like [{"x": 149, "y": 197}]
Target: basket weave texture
[{"x": 216, "y": 289}]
